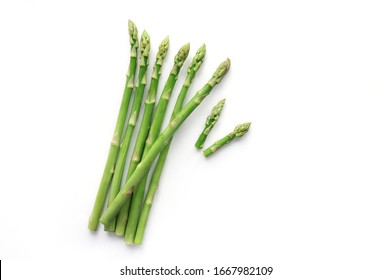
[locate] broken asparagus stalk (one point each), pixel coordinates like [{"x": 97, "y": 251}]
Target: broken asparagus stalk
[
  {"x": 239, "y": 131},
  {"x": 212, "y": 119}
]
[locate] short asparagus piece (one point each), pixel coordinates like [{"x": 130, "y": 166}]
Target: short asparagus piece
[
  {"x": 153, "y": 134},
  {"x": 114, "y": 147},
  {"x": 161, "y": 142},
  {"x": 212, "y": 119},
  {"x": 137, "y": 102},
  {"x": 156, "y": 175},
  {"x": 144, "y": 128},
  {"x": 239, "y": 131}
]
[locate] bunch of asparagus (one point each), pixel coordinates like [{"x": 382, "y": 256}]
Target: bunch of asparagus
[{"x": 128, "y": 207}]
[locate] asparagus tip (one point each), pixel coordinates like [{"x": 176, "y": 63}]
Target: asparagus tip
[
  {"x": 242, "y": 129},
  {"x": 198, "y": 59},
  {"x": 163, "y": 48},
  {"x": 222, "y": 102},
  {"x": 145, "y": 44},
  {"x": 132, "y": 30},
  {"x": 213, "y": 117},
  {"x": 228, "y": 62},
  {"x": 220, "y": 72},
  {"x": 182, "y": 54}
]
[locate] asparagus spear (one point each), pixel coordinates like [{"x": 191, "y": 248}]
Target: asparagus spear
[
  {"x": 156, "y": 175},
  {"x": 212, "y": 119},
  {"x": 144, "y": 128},
  {"x": 137, "y": 102},
  {"x": 239, "y": 131},
  {"x": 114, "y": 146},
  {"x": 161, "y": 142},
  {"x": 153, "y": 134}
]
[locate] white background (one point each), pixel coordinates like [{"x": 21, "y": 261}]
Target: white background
[{"x": 307, "y": 191}]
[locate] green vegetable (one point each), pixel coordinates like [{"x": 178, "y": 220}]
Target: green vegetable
[
  {"x": 153, "y": 134},
  {"x": 156, "y": 175},
  {"x": 239, "y": 131},
  {"x": 114, "y": 147},
  {"x": 144, "y": 128},
  {"x": 137, "y": 102},
  {"x": 161, "y": 142},
  {"x": 212, "y": 119}
]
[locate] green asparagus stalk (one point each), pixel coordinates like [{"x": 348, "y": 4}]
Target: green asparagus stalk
[
  {"x": 144, "y": 128},
  {"x": 161, "y": 142},
  {"x": 114, "y": 146},
  {"x": 153, "y": 134},
  {"x": 239, "y": 131},
  {"x": 156, "y": 175},
  {"x": 137, "y": 102},
  {"x": 212, "y": 119}
]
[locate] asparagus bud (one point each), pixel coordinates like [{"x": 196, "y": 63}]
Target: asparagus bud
[
  {"x": 197, "y": 61},
  {"x": 132, "y": 30},
  {"x": 242, "y": 129},
  {"x": 144, "y": 47},
  {"x": 220, "y": 73},
  {"x": 162, "y": 51},
  {"x": 180, "y": 58}
]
